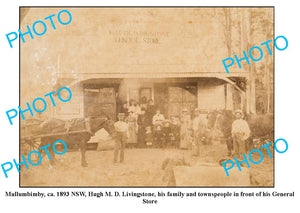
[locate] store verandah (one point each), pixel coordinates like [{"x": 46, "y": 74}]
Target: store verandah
[{"x": 170, "y": 95}]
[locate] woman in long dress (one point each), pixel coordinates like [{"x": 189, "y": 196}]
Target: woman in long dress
[
  {"x": 132, "y": 126},
  {"x": 185, "y": 130}
]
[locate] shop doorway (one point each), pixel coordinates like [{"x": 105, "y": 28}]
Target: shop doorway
[
  {"x": 172, "y": 98},
  {"x": 100, "y": 101}
]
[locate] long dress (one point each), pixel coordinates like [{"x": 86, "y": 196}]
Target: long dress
[
  {"x": 199, "y": 129},
  {"x": 132, "y": 126},
  {"x": 185, "y": 132},
  {"x": 141, "y": 121}
]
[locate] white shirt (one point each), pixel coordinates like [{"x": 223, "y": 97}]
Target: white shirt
[
  {"x": 241, "y": 126},
  {"x": 121, "y": 126},
  {"x": 158, "y": 119}
]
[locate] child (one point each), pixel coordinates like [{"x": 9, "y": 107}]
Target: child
[
  {"x": 148, "y": 136},
  {"x": 158, "y": 136}
]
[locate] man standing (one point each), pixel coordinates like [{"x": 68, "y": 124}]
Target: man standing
[
  {"x": 121, "y": 128},
  {"x": 240, "y": 133}
]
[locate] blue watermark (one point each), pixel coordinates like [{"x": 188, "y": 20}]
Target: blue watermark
[
  {"x": 12, "y": 113},
  {"x": 13, "y": 35},
  {"x": 238, "y": 163},
  {"x": 9, "y": 166},
  {"x": 245, "y": 56}
]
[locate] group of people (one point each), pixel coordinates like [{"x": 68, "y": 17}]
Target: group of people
[
  {"x": 139, "y": 119},
  {"x": 146, "y": 126}
]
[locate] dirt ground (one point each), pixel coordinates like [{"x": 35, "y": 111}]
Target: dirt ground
[{"x": 142, "y": 167}]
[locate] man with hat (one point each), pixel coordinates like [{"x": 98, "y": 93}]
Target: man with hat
[
  {"x": 240, "y": 133},
  {"x": 121, "y": 128}
]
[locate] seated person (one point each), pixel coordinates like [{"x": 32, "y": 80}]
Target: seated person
[{"x": 158, "y": 118}]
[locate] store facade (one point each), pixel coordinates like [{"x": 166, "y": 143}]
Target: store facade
[{"x": 170, "y": 55}]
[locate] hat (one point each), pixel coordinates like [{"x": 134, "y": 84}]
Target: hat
[{"x": 239, "y": 111}]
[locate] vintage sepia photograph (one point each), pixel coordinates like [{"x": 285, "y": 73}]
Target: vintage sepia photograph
[{"x": 140, "y": 96}]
